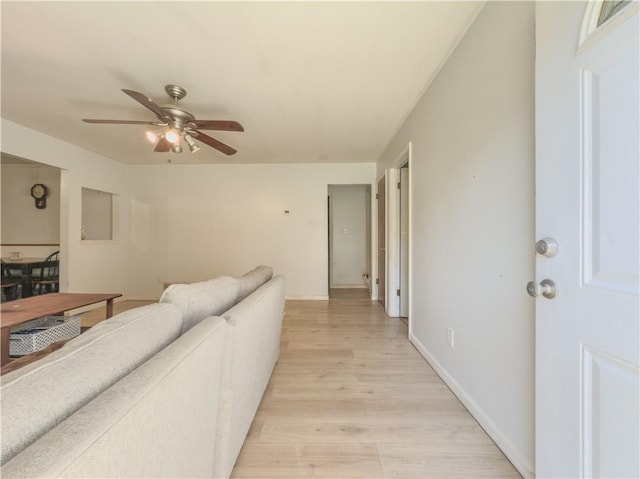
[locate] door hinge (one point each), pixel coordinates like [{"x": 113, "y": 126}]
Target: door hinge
[
  {"x": 397, "y": 292},
  {"x": 377, "y": 280},
  {"x": 398, "y": 185},
  {"x": 376, "y": 196}
]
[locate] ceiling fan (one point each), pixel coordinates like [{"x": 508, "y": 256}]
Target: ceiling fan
[{"x": 176, "y": 123}]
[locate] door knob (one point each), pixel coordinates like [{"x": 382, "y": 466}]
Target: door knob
[
  {"x": 547, "y": 247},
  {"x": 546, "y": 288}
]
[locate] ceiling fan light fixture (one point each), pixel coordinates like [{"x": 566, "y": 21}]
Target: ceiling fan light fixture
[
  {"x": 152, "y": 136},
  {"x": 173, "y": 122},
  {"x": 173, "y": 136},
  {"x": 193, "y": 147}
]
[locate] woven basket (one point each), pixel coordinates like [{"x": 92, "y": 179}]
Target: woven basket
[{"x": 39, "y": 333}]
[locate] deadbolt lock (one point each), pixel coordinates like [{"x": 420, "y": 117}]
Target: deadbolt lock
[{"x": 547, "y": 247}]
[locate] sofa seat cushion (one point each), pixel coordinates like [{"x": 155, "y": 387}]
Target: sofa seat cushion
[
  {"x": 39, "y": 396},
  {"x": 201, "y": 300},
  {"x": 253, "y": 279}
]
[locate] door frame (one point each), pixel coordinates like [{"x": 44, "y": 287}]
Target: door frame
[
  {"x": 381, "y": 232},
  {"x": 393, "y": 269}
]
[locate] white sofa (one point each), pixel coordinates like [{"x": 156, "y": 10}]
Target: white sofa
[{"x": 165, "y": 390}]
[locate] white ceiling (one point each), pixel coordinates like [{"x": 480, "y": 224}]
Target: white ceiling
[{"x": 309, "y": 81}]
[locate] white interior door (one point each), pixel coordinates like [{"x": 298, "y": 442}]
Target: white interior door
[
  {"x": 382, "y": 241},
  {"x": 587, "y": 199}
]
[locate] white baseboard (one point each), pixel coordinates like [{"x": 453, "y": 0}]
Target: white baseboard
[
  {"x": 145, "y": 297},
  {"x": 523, "y": 466},
  {"x": 349, "y": 286}
]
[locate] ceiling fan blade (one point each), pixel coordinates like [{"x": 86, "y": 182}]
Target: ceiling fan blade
[
  {"x": 225, "y": 125},
  {"x": 163, "y": 145},
  {"x": 123, "y": 122},
  {"x": 147, "y": 102},
  {"x": 212, "y": 142}
]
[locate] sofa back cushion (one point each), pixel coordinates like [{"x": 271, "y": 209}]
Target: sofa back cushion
[
  {"x": 201, "y": 300},
  {"x": 158, "y": 421},
  {"x": 253, "y": 279},
  {"x": 39, "y": 396}
]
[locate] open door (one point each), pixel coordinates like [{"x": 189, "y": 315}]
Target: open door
[
  {"x": 588, "y": 231},
  {"x": 404, "y": 241},
  {"x": 382, "y": 233}
]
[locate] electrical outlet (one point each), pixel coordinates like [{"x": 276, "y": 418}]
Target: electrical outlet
[{"x": 450, "y": 337}]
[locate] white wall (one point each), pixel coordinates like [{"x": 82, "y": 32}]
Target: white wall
[
  {"x": 195, "y": 222},
  {"x": 472, "y": 199},
  {"x": 22, "y": 222},
  {"x": 349, "y": 235},
  {"x": 190, "y": 222},
  {"x": 84, "y": 266}
]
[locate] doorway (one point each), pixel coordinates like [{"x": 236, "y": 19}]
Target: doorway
[
  {"x": 30, "y": 228},
  {"x": 394, "y": 237},
  {"x": 349, "y": 241}
]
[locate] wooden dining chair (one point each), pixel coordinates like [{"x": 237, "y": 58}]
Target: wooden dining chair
[
  {"x": 46, "y": 275},
  {"x": 9, "y": 283}
]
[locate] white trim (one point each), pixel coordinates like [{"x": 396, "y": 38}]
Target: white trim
[
  {"x": 98, "y": 241},
  {"x": 590, "y": 32},
  {"x": 410, "y": 260},
  {"x": 403, "y": 157},
  {"x": 349, "y": 286},
  {"x": 524, "y": 467},
  {"x": 392, "y": 253},
  {"x": 373, "y": 274}
]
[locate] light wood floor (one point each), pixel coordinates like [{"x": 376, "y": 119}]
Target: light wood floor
[
  {"x": 351, "y": 398},
  {"x": 349, "y": 293}
]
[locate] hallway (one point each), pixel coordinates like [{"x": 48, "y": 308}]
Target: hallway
[{"x": 350, "y": 397}]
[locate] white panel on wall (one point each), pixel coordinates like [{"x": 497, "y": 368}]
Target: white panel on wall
[{"x": 97, "y": 215}]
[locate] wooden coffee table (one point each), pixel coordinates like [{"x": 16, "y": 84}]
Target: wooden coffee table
[{"x": 14, "y": 313}]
